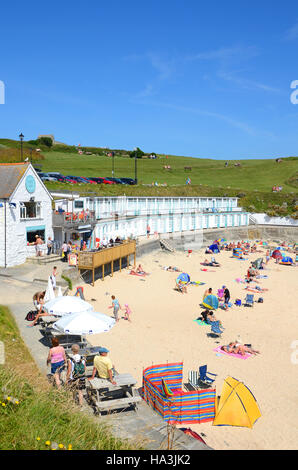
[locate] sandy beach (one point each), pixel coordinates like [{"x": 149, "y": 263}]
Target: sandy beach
[{"x": 163, "y": 329}]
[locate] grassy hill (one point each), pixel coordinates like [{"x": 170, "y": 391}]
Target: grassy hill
[
  {"x": 33, "y": 413},
  {"x": 252, "y": 181}
]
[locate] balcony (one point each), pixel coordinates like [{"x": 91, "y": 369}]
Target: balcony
[{"x": 73, "y": 219}]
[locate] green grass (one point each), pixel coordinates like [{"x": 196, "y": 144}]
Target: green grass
[
  {"x": 252, "y": 182},
  {"x": 42, "y": 412}
]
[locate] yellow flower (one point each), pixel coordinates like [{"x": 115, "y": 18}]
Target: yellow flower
[
  {"x": 17, "y": 402},
  {"x": 8, "y": 398},
  {"x": 3, "y": 404},
  {"x": 48, "y": 443},
  {"x": 69, "y": 447},
  {"x": 38, "y": 438},
  {"x": 61, "y": 446}
]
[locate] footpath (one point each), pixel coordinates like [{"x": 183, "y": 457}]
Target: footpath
[{"x": 17, "y": 287}]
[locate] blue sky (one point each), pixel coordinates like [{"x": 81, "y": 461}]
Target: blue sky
[{"x": 175, "y": 77}]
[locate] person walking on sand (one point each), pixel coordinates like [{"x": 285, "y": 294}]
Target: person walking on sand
[
  {"x": 115, "y": 306},
  {"x": 127, "y": 312},
  {"x": 148, "y": 231}
]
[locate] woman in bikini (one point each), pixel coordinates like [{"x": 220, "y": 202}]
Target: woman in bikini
[{"x": 238, "y": 348}]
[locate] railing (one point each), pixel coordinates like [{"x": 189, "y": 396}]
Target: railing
[{"x": 62, "y": 219}]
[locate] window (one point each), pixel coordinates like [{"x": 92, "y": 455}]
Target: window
[
  {"x": 32, "y": 232},
  {"x": 79, "y": 204},
  {"x": 30, "y": 210}
]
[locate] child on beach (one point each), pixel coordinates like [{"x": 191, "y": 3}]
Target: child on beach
[{"x": 127, "y": 312}]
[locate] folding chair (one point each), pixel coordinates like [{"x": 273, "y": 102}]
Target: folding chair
[
  {"x": 215, "y": 328},
  {"x": 249, "y": 300},
  {"x": 194, "y": 382},
  {"x": 204, "y": 375}
]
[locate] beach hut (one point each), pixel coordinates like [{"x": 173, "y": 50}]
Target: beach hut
[
  {"x": 237, "y": 406},
  {"x": 162, "y": 390}
]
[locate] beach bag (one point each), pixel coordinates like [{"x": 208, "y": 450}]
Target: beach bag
[
  {"x": 78, "y": 369},
  {"x": 260, "y": 300},
  {"x": 31, "y": 315},
  {"x": 238, "y": 302}
]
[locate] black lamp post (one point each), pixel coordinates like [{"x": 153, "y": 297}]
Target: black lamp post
[
  {"x": 21, "y": 139},
  {"x": 136, "y": 177},
  {"x": 113, "y": 164}
]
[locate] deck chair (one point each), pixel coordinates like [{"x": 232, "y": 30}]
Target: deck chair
[
  {"x": 215, "y": 328},
  {"x": 194, "y": 382},
  {"x": 249, "y": 300},
  {"x": 204, "y": 375}
]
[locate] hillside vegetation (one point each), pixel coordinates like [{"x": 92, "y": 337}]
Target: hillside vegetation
[
  {"x": 34, "y": 415},
  {"x": 252, "y": 181}
]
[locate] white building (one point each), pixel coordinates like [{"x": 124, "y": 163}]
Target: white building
[
  {"x": 25, "y": 211},
  {"x": 130, "y": 216}
]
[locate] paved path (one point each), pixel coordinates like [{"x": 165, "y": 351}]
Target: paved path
[{"x": 16, "y": 291}]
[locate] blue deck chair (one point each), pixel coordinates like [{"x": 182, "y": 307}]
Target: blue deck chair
[
  {"x": 215, "y": 328},
  {"x": 249, "y": 300},
  {"x": 204, "y": 375}
]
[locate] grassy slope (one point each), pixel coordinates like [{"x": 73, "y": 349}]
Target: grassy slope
[
  {"x": 253, "y": 181},
  {"x": 253, "y": 174},
  {"x": 42, "y": 411}
]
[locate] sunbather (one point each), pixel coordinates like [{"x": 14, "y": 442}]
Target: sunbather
[
  {"x": 208, "y": 317},
  {"x": 237, "y": 348}
]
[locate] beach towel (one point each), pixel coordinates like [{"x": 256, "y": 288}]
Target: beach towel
[
  {"x": 201, "y": 322},
  {"x": 197, "y": 283},
  {"x": 208, "y": 270},
  {"x": 239, "y": 356},
  {"x": 138, "y": 274}
]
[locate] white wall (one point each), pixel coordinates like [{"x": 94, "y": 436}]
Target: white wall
[
  {"x": 16, "y": 236},
  {"x": 264, "y": 219}
]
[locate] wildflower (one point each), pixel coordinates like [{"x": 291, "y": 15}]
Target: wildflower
[
  {"x": 8, "y": 398},
  {"x": 38, "y": 438},
  {"x": 61, "y": 446},
  {"x": 3, "y": 404},
  {"x": 69, "y": 447},
  {"x": 54, "y": 446},
  {"x": 48, "y": 443}
]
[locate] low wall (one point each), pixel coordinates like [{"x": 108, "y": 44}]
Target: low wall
[{"x": 196, "y": 240}]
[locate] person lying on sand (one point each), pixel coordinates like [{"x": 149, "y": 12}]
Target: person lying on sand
[
  {"x": 172, "y": 269},
  {"x": 237, "y": 348}
]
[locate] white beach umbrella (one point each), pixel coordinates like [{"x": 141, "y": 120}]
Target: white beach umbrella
[
  {"x": 67, "y": 304},
  {"x": 86, "y": 323},
  {"x": 59, "y": 293},
  {"x": 49, "y": 295}
]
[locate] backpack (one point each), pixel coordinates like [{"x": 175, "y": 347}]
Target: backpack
[
  {"x": 31, "y": 315},
  {"x": 78, "y": 369}
]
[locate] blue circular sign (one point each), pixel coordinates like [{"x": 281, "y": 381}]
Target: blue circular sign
[{"x": 30, "y": 184}]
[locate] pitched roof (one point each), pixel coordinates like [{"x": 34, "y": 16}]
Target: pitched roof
[{"x": 10, "y": 175}]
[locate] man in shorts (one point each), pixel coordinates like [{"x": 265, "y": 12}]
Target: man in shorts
[
  {"x": 103, "y": 367},
  {"x": 115, "y": 306}
]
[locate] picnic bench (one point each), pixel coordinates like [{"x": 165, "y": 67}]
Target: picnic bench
[{"x": 105, "y": 397}]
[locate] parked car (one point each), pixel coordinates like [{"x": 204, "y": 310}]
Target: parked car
[
  {"x": 128, "y": 180},
  {"x": 54, "y": 174},
  {"x": 116, "y": 180},
  {"x": 46, "y": 177},
  {"x": 78, "y": 179},
  {"x": 65, "y": 179},
  {"x": 88, "y": 180},
  {"x": 100, "y": 180}
]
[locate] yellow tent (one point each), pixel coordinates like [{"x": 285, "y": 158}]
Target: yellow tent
[{"x": 237, "y": 406}]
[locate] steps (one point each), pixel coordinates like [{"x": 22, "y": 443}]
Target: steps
[
  {"x": 43, "y": 260},
  {"x": 166, "y": 245}
]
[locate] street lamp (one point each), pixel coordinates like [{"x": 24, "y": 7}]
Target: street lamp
[
  {"x": 21, "y": 139},
  {"x": 113, "y": 165},
  {"x": 136, "y": 153}
]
